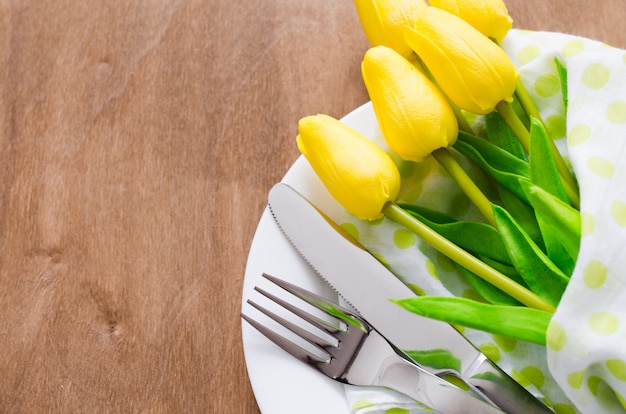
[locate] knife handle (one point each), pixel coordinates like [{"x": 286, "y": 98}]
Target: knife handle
[{"x": 430, "y": 390}]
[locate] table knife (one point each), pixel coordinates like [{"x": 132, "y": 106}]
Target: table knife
[{"x": 367, "y": 285}]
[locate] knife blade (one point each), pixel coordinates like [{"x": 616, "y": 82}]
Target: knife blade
[{"x": 367, "y": 285}]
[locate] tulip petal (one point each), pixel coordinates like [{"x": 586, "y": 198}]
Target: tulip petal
[
  {"x": 414, "y": 116},
  {"x": 473, "y": 71},
  {"x": 382, "y": 21},
  {"x": 490, "y": 17},
  {"x": 355, "y": 171}
]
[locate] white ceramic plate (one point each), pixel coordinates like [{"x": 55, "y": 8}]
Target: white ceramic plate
[{"x": 282, "y": 384}]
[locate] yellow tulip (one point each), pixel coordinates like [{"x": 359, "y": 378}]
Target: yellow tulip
[
  {"x": 490, "y": 17},
  {"x": 414, "y": 116},
  {"x": 355, "y": 171},
  {"x": 382, "y": 21},
  {"x": 473, "y": 71}
]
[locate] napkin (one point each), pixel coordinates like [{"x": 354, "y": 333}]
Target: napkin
[{"x": 583, "y": 366}]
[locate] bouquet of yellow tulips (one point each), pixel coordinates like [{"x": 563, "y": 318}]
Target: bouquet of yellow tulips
[{"x": 432, "y": 71}]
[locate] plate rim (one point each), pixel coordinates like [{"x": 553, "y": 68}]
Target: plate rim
[{"x": 269, "y": 388}]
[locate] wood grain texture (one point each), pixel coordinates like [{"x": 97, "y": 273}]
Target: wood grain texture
[{"x": 138, "y": 140}]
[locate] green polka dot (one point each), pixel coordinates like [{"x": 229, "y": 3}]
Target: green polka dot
[
  {"x": 594, "y": 274},
  {"x": 528, "y": 54},
  {"x": 534, "y": 375},
  {"x": 564, "y": 409},
  {"x": 431, "y": 269},
  {"x": 624, "y": 57},
  {"x": 376, "y": 222},
  {"x": 556, "y": 336},
  {"x": 397, "y": 410},
  {"x": 491, "y": 351},
  {"x": 573, "y": 48},
  {"x": 617, "y": 367},
  {"x": 522, "y": 350},
  {"x": 406, "y": 169},
  {"x": 361, "y": 404},
  {"x": 601, "y": 166},
  {"x": 603, "y": 323},
  {"x": 351, "y": 229},
  {"x": 596, "y": 75},
  {"x": 593, "y": 383},
  {"x": 618, "y": 211},
  {"x": 413, "y": 193},
  {"x": 529, "y": 375},
  {"x": 425, "y": 168},
  {"x": 506, "y": 343},
  {"x": 445, "y": 263},
  {"x": 403, "y": 239},
  {"x": 547, "y": 85},
  {"x": 556, "y": 126},
  {"x": 575, "y": 379},
  {"x": 382, "y": 259},
  {"x": 520, "y": 378},
  {"x": 616, "y": 112},
  {"x": 587, "y": 224},
  {"x": 602, "y": 391},
  {"x": 578, "y": 135}
]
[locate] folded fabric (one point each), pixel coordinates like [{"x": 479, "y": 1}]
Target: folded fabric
[{"x": 583, "y": 366}]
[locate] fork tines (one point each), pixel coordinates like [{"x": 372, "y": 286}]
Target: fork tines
[{"x": 325, "y": 346}]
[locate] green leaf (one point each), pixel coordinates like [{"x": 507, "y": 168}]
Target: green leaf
[
  {"x": 475, "y": 237},
  {"x": 505, "y": 168},
  {"x": 514, "y": 321},
  {"x": 499, "y": 134},
  {"x": 507, "y": 270},
  {"x": 562, "y": 71},
  {"x": 542, "y": 276},
  {"x": 543, "y": 170},
  {"x": 560, "y": 256},
  {"x": 544, "y": 175},
  {"x": 488, "y": 291},
  {"x": 523, "y": 214},
  {"x": 559, "y": 218},
  {"x": 520, "y": 110}
]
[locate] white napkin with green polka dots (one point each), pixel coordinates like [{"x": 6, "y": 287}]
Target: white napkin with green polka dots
[{"x": 583, "y": 368}]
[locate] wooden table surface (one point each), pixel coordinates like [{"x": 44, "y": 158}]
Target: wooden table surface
[{"x": 138, "y": 140}]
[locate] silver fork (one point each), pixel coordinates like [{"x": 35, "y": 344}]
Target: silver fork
[{"x": 359, "y": 355}]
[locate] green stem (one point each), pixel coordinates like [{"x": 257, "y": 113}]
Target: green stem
[
  {"x": 458, "y": 174},
  {"x": 516, "y": 125},
  {"x": 465, "y": 259},
  {"x": 526, "y": 101},
  {"x": 522, "y": 134},
  {"x": 462, "y": 121}
]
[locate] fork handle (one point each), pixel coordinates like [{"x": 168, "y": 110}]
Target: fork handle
[{"x": 405, "y": 377}]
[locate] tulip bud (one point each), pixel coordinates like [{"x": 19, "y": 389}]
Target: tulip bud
[
  {"x": 490, "y": 17},
  {"x": 355, "y": 171},
  {"x": 474, "y": 72},
  {"x": 382, "y": 21},
  {"x": 414, "y": 116}
]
